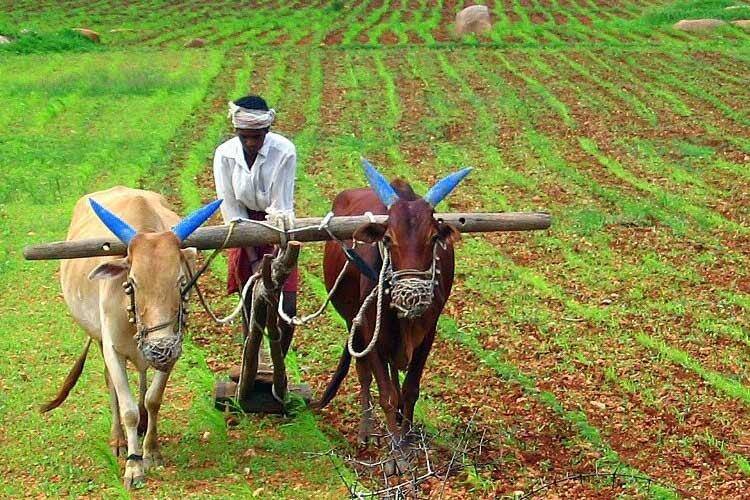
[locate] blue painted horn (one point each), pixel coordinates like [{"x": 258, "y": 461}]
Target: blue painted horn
[
  {"x": 379, "y": 184},
  {"x": 193, "y": 221},
  {"x": 444, "y": 186},
  {"x": 119, "y": 227}
]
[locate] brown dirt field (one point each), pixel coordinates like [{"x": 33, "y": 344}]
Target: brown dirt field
[{"x": 388, "y": 38}]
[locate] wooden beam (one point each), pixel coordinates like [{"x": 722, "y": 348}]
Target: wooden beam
[{"x": 305, "y": 229}]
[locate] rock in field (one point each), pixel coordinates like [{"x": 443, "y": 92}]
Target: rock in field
[
  {"x": 742, "y": 23},
  {"x": 196, "y": 43},
  {"x": 90, "y": 34},
  {"x": 4, "y": 39},
  {"x": 698, "y": 24},
  {"x": 473, "y": 19}
]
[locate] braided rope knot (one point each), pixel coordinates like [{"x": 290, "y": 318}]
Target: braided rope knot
[
  {"x": 161, "y": 353},
  {"x": 411, "y": 297}
]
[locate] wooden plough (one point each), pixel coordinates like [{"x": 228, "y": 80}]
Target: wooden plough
[{"x": 260, "y": 386}]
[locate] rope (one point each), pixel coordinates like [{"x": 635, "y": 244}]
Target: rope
[
  {"x": 194, "y": 283},
  {"x": 194, "y": 279},
  {"x": 379, "y": 311}
]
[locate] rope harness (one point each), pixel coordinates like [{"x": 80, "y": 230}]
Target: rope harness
[
  {"x": 411, "y": 290},
  {"x": 410, "y": 296},
  {"x": 162, "y": 352}
]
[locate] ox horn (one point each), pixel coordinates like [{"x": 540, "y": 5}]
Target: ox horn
[
  {"x": 193, "y": 221},
  {"x": 444, "y": 186},
  {"x": 119, "y": 227},
  {"x": 379, "y": 184}
]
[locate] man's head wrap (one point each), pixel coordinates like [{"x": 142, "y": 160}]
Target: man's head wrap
[{"x": 250, "y": 118}]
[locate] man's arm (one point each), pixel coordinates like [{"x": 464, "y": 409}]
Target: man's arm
[
  {"x": 231, "y": 208},
  {"x": 282, "y": 190}
]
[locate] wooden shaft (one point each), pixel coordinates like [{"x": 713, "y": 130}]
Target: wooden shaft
[
  {"x": 249, "y": 234},
  {"x": 264, "y": 316},
  {"x": 256, "y": 318}
]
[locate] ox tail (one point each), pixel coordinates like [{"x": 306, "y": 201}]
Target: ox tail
[
  {"x": 333, "y": 386},
  {"x": 70, "y": 381}
]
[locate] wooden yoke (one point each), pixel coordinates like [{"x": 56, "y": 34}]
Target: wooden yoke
[{"x": 248, "y": 234}]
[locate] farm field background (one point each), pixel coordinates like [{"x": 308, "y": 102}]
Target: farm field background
[{"x": 618, "y": 339}]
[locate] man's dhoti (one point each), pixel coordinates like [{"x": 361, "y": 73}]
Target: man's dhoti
[{"x": 244, "y": 262}]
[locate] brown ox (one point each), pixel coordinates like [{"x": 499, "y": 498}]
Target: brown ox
[
  {"x": 132, "y": 307},
  {"x": 419, "y": 277}
]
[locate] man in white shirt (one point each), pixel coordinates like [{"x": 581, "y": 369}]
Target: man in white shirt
[{"x": 254, "y": 174}]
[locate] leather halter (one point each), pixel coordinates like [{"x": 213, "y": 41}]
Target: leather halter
[{"x": 134, "y": 317}]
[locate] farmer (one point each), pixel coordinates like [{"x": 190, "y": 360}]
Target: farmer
[{"x": 254, "y": 175}]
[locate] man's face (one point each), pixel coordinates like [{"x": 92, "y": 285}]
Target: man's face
[{"x": 252, "y": 140}]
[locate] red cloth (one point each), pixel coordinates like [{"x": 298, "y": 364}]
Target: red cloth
[{"x": 243, "y": 262}]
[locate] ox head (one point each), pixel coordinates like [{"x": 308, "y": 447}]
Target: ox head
[
  {"x": 156, "y": 270},
  {"x": 411, "y": 233}
]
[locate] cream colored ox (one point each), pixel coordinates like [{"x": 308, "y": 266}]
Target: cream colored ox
[{"x": 133, "y": 307}]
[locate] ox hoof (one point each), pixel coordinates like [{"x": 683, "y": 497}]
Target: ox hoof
[
  {"x": 399, "y": 463},
  {"x": 152, "y": 460},
  {"x": 366, "y": 431},
  {"x": 134, "y": 475},
  {"x": 134, "y": 482},
  {"x": 397, "y": 466}
]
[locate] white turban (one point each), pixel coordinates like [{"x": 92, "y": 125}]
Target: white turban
[{"x": 250, "y": 118}]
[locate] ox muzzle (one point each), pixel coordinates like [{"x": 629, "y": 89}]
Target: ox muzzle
[
  {"x": 162, "y": 352},
  {"x": 412, "y": 291}
]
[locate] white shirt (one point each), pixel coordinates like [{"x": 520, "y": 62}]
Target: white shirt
[{"x": 267, "y": 186}]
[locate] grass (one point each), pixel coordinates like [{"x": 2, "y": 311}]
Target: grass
[{"x": 630, "y": 134}]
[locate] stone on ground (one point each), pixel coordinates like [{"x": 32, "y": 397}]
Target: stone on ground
[
  {"x": 196, "y": 43},
  {"x": 90, "y": 34},
  {"x": 473, "y": 19},
  {"x": 698, "y": 24},
  {"x": 742, "y": 23},
  {"x": 4, "y": 39}
]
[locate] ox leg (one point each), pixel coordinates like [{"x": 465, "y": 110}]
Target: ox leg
[
  {"x": 129, "y": 415},
  {"x": 151, "y": 450},
  {"x": 389, "y": 399},
  {"x": 142, "y": 386},
  {"x": 117, "y": 442},
  {"x": 366, "y": 423},
  {"x": 397, "y": 386},
  {"x": 412, "y": 383}
]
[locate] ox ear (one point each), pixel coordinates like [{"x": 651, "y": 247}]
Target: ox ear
[
  {"x": 448, "y": 233},
  {"x": 444, "y": 186},
  {"x": 189, "y": 256},
  {"x": 193, "y": 221},
  {"x": 369, "y": 233},
  {"x": 110, "y": 269}
]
